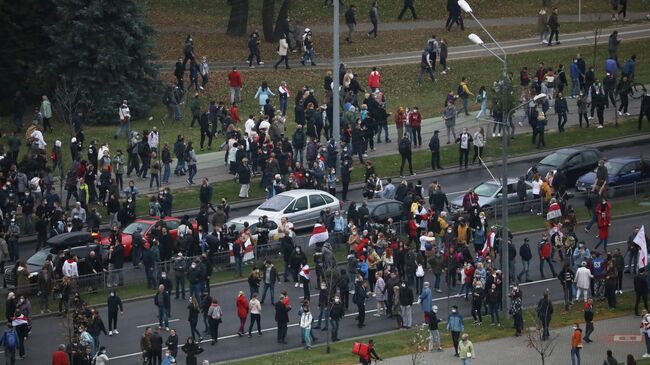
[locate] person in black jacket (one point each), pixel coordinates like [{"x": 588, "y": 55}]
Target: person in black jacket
[
  {"x": 351, "y": 22},
  {"x": 244, "y": 178},
  {"x": 116, "y": 259},
  {"x": 336, "y": 312},
  {"x": 359, "y": 298},
  {"x": 526, "y": 255},
  {"x": 408, "y": 4},
  {"x": 114, "y": 304},
  {"x": 254, "y": 49},
  {"x": 566, "y": 277},
  {"x": 405, "y": 152},
  {"x": 554, "y": 25},
  {"x": 282, "y": 319},
  {"x": 434, "y": 147},
  {"x": 545, "y": 313},
  {"x": 191, "y": 350},
  {"x": 640, "y": 291},
  {"x": 561, "y": 109},
  {"x": 434, "y": 334},
  {"x": 172, "y": 343},
  {"x": 162, "y": 301},
  {"x": 156, "y": 348},
  {"x": 204, "y": 124},
  {"x": 95, "y": 328}
]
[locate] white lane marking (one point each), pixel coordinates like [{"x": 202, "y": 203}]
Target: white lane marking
[{"x": 155, "y": 323}]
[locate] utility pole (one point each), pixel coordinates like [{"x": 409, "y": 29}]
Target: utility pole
[{"x": 336, "y": 107}]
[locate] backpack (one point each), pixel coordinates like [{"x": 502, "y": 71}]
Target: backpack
[
  {"x": 461, "y": 91},
  {"x": 10, "y": 340},
  {"x": 187, "y": 156},
  {"x": 142, "y": 148},
  {"x": 360, "y": 349}
]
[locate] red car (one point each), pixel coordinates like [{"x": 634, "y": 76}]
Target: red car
[{"x": 146, "y": 224}]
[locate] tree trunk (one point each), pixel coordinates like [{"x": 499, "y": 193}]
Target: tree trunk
[
  {"x": 282, "y": 15},
  {"x": 238, "y": 21},
  {"x": 268, "y": 11}
]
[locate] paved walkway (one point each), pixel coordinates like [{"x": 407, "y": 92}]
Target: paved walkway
[
  {"x": 212, "y": 164},
  {"x": 621, "y": 335}
]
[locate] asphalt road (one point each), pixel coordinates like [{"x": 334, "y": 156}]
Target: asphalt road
[{"x": 124, "y": 348}]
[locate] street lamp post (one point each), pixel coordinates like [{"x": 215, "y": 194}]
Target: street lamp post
[
  {"x": 336, "y": 116},
  {"x": 504, "y": 156}
]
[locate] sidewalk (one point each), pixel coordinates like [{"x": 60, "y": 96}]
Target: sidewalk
[
  {"x": 212, "y": 165},
  {"x": 621, "y": 335}
]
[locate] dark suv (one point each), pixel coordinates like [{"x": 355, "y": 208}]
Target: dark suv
[
  {"x": 573, "y": 162},
  {"x": 77, "y": 243}
]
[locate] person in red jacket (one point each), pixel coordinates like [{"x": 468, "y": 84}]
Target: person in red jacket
[
  {"x": 400, "y": 120},
  {"x": 234, "y": 114},
  {"x": 374, "y": 79},
  {"x": 604, "y": 219},
  {"x": 544, "y": 248},
  {"x": 60, "y": 357},
  {"x": 235, "y": 82},
  {"x": 242, "y": 312},
  {"x": 416, "y": 125}
]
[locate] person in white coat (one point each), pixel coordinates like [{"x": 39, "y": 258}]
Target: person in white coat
[
  {"x": 583, "y": 280},
  {"x": 380, "y": 295},
  {"x": 283, "y": 49},
  {"x": 101, "y": 358},
  {"x": 305, "y": 324}
]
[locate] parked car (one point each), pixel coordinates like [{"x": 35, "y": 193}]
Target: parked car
[
  {"x": 77, "y": 243},
  {"x": 146, "y": 224},
  {"x": 382, "y": 209},
  {"x": 252, "y": 225},
  {"x": 621, "y": 170},
  {"x": 489, "y": 194},
  {"x": 302, "y": 206},
  {"x": 573, "y": 162}
]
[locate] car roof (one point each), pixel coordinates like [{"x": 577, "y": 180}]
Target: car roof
[
  {"x": 511, "y": 180},
  {"x": 375, "y": 202},
  {"x": 155, "y": 219},
  {"x": 570, "y": 150},
  {"x": 70, "y": 239},
  {"x": 624, "y": 159},
  {"x": 302, "y": 192}
]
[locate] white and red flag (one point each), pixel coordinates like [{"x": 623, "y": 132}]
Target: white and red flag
[{"x": 318, "y": 234}]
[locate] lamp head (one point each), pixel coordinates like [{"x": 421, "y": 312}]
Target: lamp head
[
  {"x": 465, "y": 6},
  {"x": 474, "y": 38}
]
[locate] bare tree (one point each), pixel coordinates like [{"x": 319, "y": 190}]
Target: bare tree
[
  {"x": 418, "y": 343},
  {"x": 544, "y": 348},
  {"x": 68, "y": 100},
  {"x": 238, "y": 20}
]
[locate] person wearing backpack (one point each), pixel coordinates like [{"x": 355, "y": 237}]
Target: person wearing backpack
[
  {"x": 464, "y": 93},
  {"x": 10, "y": 341},
  {"x": 215, "y": 313}
]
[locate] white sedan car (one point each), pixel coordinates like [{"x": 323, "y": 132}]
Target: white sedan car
[{"x": 302, "y": 207}]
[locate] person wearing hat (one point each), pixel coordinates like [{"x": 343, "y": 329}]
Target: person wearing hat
[
  {"x": 434, "y": 334},
  {"x": 308, "y": 48}
]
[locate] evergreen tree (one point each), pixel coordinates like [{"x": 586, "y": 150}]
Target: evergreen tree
[{"x": 105, "y": 48}]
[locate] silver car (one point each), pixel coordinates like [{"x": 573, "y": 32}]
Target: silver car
[
  {"x": 489, "y": 194},
  {"x": 302, "y": 206}
]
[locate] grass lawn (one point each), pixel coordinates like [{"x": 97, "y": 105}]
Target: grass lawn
[
  {"x": 398, "y": 84},
  {"x": 213, "y": 14},
  {"x": 397, "y": 343}
]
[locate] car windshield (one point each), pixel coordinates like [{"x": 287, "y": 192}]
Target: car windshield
[
  {"x": 276, "y": 204},
  {"x": 38, "y": 258},
  {"x": 486, "y": 189},
  {"x": 613, "y": 167},
  {"x": 131, "y": 228},
  {"x": 554, "y": 159}
]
